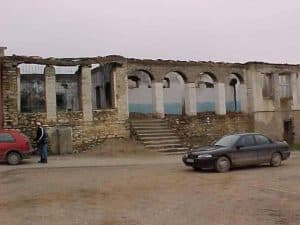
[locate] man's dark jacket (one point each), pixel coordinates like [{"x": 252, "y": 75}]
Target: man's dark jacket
[{"x": 41, "y": 136}]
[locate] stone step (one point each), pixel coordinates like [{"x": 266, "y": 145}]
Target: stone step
[
  {"x": 161, "y": 146},
  {"x": 175, "y": 141},
  {"x": 153, "y": 126},
  {"x": 161, "y": 137},
  {"x": 156, "y": 134},
  {"x": 147, "y": 122},
  {"x": 158, "y": 129},
  {"x": 151, "y": 131}
]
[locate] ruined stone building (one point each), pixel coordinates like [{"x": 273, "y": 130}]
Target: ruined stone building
[{"x": 98, "y": 96}]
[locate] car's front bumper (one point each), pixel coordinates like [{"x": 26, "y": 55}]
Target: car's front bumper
[
  {"x": 202, "y": 163},
  {"x": 286, "y": 155}
]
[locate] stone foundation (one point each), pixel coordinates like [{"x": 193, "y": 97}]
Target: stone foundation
[
  {"x": 206, "y": 127},
  {"x": 84, "y": 134}
]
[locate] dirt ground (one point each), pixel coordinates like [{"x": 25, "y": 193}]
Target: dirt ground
[{"x": 135, "y": 187}]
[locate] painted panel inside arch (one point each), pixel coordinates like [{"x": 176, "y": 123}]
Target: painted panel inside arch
[
  {"x": 230, "y": 106},
  {"x": 173, "y": 108},
  {"x": 205, "y": 106},
  {"x": 140, "y": 108}
]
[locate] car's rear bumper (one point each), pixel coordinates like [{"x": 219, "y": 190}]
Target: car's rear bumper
[
  {"x": 208, "y": 163},
  {"x": 26, "y": 155}
]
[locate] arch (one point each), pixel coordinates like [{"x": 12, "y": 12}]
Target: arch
[
  {"x": 139, "y": 91},
  {"x": 174, "y": 94},
  {"x": 143, "y": 77},
  {"x": 205, "y": 92},
  {"x": 140, "y": 72},
  {"x": 205, "y": 80},
  {"x": 239, "y": 77},
  {"x": 232, "y": 88},
  {"x": 166, "y": 82},
  {"x": 133, "y": 82}
]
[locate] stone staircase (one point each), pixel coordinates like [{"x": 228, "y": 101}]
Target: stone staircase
[{"x": 156, "y": 135}]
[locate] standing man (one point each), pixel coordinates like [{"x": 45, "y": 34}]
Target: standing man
[{"x": 41, "y": 140}]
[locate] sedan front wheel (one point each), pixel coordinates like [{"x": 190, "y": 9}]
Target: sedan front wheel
[
  {"x": 223, "y": 164},
  {"x": 276, "y": 159}
]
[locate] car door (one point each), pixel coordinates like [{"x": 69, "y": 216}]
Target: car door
[
  {"x": 265, "y": 148},
  {"x": 246, "y": 151}
]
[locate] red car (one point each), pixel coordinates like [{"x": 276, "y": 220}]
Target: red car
[{"x": 14, "y": 146}]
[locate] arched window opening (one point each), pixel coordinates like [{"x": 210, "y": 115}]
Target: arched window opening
[
  {"x": 205, "y": 92},
  {"x": 139, "y": 91}
]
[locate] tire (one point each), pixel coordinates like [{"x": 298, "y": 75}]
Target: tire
[
  {"x": 223, "y": 164},
  {"x": 276, "y": 159},
  {"x": 13, "y": 158}
]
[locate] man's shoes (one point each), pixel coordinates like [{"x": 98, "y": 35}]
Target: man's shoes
[{"x": 45, "y": 161}]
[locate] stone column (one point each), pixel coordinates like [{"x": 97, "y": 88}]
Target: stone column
[
  {"x": 277, "y": 110},
  {"x": 86, "y": 93},
  {"x": 120, "y": 91},
  {"x": 158, "y": 99},
  {"x": 294, "y": 86},
  {"x": 50, "y": 92},
  {"x": 2, "y": 51},
  {"x": 220, "y": 99},
  {"x": 190, "y": 99},
  {"x": 243, "y": 98}
]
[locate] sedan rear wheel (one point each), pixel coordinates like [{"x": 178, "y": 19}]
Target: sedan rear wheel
[
  {"x": 13, "y": 158},
  {"x": 276, "y": 159},
  {"x": 223, "y": 164}
]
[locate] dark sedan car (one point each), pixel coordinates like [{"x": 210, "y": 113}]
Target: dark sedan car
[{"x": 237, "y": 150}]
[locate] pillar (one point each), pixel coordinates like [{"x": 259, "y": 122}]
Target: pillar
[
  {"x": 2, "y": 51},
  {"x": 294, "y": 86},
  {"x": 120, "y": 89},
  {"x": 158, "y": 99},
  {"x": 190, "y": 99},
  {"x": 50, "y": 92},
  {"x": 278, "y": 126},
  {"x": 220, "y": 99},
  {"x": 243, "y": 98},
  {"x": 86, "y": 93},
  {"x": 276, "y": 91}
]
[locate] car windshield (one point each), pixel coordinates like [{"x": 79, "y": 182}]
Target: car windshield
[{"x": 227, "y": 141}]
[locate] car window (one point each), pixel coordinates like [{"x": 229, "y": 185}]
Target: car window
[
  {"x": 227, "y": 141},
  {"x": 262, "y": 140},
  {"x": 246, "y": 141},
  {"x": 7, "y": 138}
]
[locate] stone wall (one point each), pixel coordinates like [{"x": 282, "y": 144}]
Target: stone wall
[
  {"x": 206, "y": 127},
  {"x": 85, "y": 133}
]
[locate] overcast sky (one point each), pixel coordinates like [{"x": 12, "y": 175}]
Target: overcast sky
[{"x": 216, "y": 30}]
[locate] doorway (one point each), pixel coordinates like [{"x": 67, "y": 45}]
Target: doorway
[{"x": 289, "y": 133}]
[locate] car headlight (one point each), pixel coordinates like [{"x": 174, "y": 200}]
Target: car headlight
[
  {"x": 185, "y": 155},
  {"x": 204, "y": 156}
]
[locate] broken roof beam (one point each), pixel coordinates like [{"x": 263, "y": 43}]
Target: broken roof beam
[{"x": 65, "y": 61}]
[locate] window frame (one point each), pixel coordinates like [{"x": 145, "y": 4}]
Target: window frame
[
  {"x": 244, "y": 136},
  {"x": 270, "y": 141}
]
